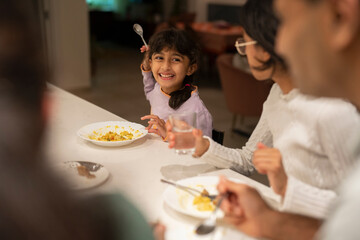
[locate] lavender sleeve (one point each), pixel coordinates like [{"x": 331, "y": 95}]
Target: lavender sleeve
[
  {"x": 204, "y": 122},
  {"x": 149, "y": 82}
]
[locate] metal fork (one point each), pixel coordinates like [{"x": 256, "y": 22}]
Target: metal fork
[{"x": 189, "y": 189}]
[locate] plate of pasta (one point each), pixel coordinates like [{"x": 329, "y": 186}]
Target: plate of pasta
[
  {"x": 81, "y": 175},
  {"x": 112, "y": 133},
  {"x": 189, "y": 204}
]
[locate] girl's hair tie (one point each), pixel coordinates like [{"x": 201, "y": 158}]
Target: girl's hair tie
[{"x": 187, "y": 85}]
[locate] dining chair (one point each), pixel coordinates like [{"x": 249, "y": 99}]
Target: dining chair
[
  {"x": 244, "y": 95},
  {"x": 218, "y": 136}
]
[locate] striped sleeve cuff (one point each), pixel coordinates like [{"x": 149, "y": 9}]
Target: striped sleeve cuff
[
  {"x": 223, "y": 157},
  {"x": 210, "y": 157},
  {"x": 304, "y": 199}
]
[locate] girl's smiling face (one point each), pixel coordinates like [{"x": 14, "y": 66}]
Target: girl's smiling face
[{"x": 170, "y": 68}]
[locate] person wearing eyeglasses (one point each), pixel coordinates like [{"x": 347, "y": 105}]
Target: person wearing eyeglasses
[{"x": 300, "y": 142}]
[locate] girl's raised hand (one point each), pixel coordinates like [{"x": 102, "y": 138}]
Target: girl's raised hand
[
  {"x": 144, "y": 48},
  {"x": 269, "y": 161},
  {"x": 156, "y": 125},
  {"x": 201, "y": 143}
]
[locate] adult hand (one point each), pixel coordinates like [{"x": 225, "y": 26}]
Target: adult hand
[
  {"x": 146, "y": 62},
  {"x": 269, "y": 161},
  {"x": 244, "y": 208},
  {"x": 156, "y": 125},
  {"x": 201, "y": 143}
]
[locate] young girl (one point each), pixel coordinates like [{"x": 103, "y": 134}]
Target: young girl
[
  {"x": 300, "y": 142},
  {"x": 167, "y": 69}
]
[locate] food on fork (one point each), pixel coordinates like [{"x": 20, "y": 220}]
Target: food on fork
[
  {"x": 83, "y": 171},
  {"x": 205, "y": 193},
  {"x": 203, "y": 202}
]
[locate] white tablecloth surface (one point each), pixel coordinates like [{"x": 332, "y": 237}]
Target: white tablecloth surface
[{"x": 135, "y": 169}]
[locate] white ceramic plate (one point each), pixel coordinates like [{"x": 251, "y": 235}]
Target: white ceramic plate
[
  {"x": 182, "y": 201},
  {"x": 69, "y": 172},
  {"x": 97, "y": 129}
]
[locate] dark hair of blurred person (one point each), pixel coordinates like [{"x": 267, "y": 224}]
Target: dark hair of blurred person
[
  {"x": 260, "y": 23},
  {"x": 33, "y": 205}
]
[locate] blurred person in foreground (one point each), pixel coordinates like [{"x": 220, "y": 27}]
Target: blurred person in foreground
[
  {"x": 320, "y": 39},
  {"x": 33, "y": 205}
]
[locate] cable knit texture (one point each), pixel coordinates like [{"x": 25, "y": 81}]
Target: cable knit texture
[
  {"x": 313, "y": 136},
  {"x": 159, "y": 102}
]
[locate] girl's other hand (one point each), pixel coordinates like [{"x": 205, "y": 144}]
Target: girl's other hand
[
  {"x": 269, "y": 161},
  {"x": 156, "y": 125},
  {"x": 170, "y": 135},
  {"x": 201, "y": 143}
]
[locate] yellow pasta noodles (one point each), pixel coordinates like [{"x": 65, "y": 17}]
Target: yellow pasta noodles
[
  {"x": 115, "y": 135},
  {"x": 203, "y": 203}
]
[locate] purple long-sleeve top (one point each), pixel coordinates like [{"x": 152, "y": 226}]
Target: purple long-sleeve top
[{"x": 159, "y": 102}]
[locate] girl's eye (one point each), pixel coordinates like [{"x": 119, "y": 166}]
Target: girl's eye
[
  {"x": 176, "y": 60},
  {"x": 158, "y": 57}
]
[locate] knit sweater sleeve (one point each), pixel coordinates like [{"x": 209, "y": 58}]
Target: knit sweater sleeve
[
  {"x": 304, "y": 199},
  {"x": 334, "y": 130},
  {"x": 239, "y": 159},
  {"x": 149, "y": 82}
]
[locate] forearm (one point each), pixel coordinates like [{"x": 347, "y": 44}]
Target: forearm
[
  {"x": 149, "y": 82},
  {"x": 223, "y": 157},
  {"x": 287, "y": 226}
]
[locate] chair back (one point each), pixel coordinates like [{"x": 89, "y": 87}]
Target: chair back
[
  {"x": 244, "y": 95},
  {"x": 218, "y": 136}
]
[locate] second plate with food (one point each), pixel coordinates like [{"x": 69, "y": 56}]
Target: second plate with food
[
  {"x": 81, "y": 175},
  {"x": 183, "y": 202},
  {"x": 112, "y": 133}
]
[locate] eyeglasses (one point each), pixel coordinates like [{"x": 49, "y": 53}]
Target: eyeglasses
[{"x": 241, "y": 44}]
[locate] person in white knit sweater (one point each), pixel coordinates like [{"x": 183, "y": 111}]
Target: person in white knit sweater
[{"x": 301, "y": 142}]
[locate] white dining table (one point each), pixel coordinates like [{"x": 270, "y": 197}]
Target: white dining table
[{"x": 135, "y": 169}]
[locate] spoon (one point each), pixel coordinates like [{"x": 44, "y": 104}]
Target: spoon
[
  {"x": 209, "y": 224},
  {"x": 139, "y": 30}
]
